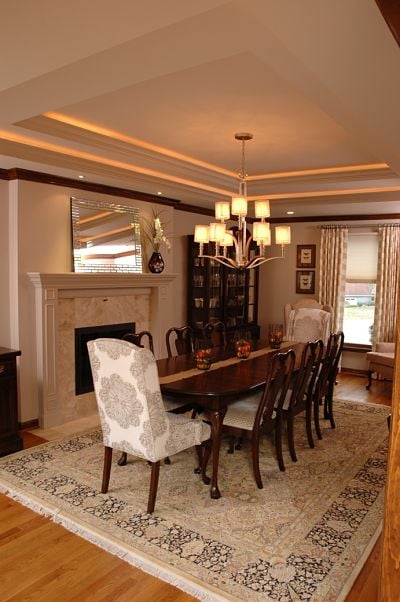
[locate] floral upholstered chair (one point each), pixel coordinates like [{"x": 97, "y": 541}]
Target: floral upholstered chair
[
  {"x": 308, "y": 324},
  {"x": 132, "y": 414}
]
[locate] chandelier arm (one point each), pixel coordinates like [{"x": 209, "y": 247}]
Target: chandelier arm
[
  {"x": 221, "y": 259},
  {"x": 259, "y": 260}
]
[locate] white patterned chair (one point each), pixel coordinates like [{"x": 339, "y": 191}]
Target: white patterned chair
[
  {"x": 308, "y": 323},
  {"x": 132, "y": 414}
]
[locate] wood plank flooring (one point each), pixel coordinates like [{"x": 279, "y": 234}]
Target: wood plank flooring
[{"x": 42, "y": 562}]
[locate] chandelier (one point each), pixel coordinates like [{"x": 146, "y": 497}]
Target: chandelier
[{"x": 243, "y": 257}]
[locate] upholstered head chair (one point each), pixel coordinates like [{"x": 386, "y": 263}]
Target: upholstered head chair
[
  {"x": 132, "y": 414},
  {"x": 307, "y": 320}
]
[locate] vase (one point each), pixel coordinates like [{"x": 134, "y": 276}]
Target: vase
[{"x": 156, "y": 263}]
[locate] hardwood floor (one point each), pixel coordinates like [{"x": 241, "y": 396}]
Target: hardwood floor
[{"x": 41, "y": 561}]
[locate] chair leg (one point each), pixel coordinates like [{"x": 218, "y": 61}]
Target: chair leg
[
  {"x": 155, "y": 471},
  {"x": 206, "y": 452},
  {"x": 368, "y": 386},
  {"x": 123, "y": 459},
  {"x": 278, "y": 441},
  {"x": 308, "y": 424},
  {"x": 255, "y": 452},
  {"x": 106, "y": 469},
  {"x": 231, "y": 447},
  {"x": 316, "y": 418},
  {"x": 290, "y": 435},
  {"x": 328, "y": 410}
]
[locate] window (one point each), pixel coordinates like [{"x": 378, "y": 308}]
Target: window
[{"x": 359, "y": 298}]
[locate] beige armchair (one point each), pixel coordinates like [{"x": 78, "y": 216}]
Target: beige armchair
[
  {"x": 381, "y": 361},
  {"x": 307, "y": 320}
]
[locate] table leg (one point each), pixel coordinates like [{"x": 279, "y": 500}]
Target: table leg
[{"x": 217, "y": 418}]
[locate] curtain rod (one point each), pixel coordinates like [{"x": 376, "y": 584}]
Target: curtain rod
[{"x": 327, "y": 226}]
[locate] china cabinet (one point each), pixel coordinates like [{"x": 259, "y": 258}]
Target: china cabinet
[{"x": 218, "y": 293}]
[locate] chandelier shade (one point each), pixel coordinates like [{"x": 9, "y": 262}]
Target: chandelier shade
[{"x": 243, "y": 255}]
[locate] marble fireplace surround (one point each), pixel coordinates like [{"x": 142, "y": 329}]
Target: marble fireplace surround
[{"x": 63, "y": 302}]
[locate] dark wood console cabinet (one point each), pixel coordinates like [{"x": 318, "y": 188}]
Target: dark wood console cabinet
[{"x": 10, "y": 441}]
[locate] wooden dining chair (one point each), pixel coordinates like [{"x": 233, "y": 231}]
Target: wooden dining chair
[
  {"x": 260, "y": 413},
  {"x": 184, "y": 339},
  {"x": 322, "y": 385},
  {"x": 332, "y": 376},
  {"x": 214, "y": 334},
  {"x": 299, "y": 397},
  {"x": 137, "y": 339},
  {"x": 132, "y": 415}
]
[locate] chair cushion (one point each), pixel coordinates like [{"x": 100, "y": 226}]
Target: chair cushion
[
  {"x": 241, "y": 413},
  {"x": 383, "y": 359}
]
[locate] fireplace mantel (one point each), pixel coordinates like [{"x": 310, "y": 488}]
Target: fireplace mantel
[{"x": 50, "y": 289}]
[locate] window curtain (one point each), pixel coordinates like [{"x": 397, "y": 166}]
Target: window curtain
[
  {"x": 387, "y": 283},
  {"x": 332, "y": 271}
]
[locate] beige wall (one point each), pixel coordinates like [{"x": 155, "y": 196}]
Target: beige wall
[{"x": 35, "y": 237}]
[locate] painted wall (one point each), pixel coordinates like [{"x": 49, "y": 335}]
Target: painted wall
[{"x": 35, "y": 237}]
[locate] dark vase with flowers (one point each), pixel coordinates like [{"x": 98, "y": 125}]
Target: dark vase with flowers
[{"x": 156, "y": 263}]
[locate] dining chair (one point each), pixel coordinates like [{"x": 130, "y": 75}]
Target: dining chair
[
  {"x": 321, "y": 389},
  {"x": 184, "y": 340},
  {"x": 260, "y": 413},
  {"x": 303, "y": 324},
  {"x": 332, "y": 376},
  {"x": 137, "y": 337},
  {"x": 214, "y": 334},
  {"x": 132, "y": 415},
  {"x": 299, "y": 397}
]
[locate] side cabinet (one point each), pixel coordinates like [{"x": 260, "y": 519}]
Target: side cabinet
[
  {"x": 10, "y": 441},
  {"x": 218, "y": 293}
]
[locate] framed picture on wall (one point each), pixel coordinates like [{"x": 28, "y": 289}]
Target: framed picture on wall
[
  {"x": 305, "y": 282},
  {"x": 306, "y": 256}
]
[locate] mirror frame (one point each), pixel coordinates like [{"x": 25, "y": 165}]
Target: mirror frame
[{"x": 105, "y": 212}]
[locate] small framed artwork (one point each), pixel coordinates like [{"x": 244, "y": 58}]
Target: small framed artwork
[
  {"x": 305, "y": 282},
  {"x": 306, "y": 256}
]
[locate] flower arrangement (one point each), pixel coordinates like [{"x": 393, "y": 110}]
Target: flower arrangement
[{"x": 154, "y": 232}]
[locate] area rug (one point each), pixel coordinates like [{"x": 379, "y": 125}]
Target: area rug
[{"x": 304, "y": 536}]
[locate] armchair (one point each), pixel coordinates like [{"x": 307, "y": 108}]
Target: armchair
[{"x": 381, "y": 361}]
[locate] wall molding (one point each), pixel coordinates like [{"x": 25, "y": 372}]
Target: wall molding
[{"x": 16, "y": 173}]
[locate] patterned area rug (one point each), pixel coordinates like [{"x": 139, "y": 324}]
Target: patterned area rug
[{"x": 303, "y": 537}]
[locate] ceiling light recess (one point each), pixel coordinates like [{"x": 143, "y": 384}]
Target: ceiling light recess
[{"x": 222, "y": 238}]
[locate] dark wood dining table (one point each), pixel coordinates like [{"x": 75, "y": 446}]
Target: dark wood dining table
[{"x": 213, "y": 390}]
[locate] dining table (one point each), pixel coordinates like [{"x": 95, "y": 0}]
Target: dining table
[{"x": 212, "y": 390}]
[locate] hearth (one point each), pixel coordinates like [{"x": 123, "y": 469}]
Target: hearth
[{"x": 83, "y": 374}]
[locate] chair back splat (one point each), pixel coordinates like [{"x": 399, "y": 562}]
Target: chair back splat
[
  {"x": 137, "y": 337},
  {"x": 132, "y": 414},
  {"x": 214, "y": 335},
  {"x": 184, "y": 338}
]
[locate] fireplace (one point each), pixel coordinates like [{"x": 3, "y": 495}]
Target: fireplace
[{"x": 83, "y": 373}]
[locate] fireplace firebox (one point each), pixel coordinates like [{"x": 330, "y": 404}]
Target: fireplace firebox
[{"x": 83, "y": 373}]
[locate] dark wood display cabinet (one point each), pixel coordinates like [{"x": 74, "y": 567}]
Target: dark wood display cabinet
[
  {"x": 10, "y": 441},
  {"x": 218, "y": 293}
]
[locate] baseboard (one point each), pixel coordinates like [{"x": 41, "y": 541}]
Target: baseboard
[
  {"x": 355, "y": 371},
  {"x": 29, "y": 424}
]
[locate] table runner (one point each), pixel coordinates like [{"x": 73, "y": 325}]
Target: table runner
[{"x": 221, "y": 364}]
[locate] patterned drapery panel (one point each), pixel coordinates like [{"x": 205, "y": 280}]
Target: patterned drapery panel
[
  {"x": 387, "y": 283},
  {"x": 332, "y": 271}
]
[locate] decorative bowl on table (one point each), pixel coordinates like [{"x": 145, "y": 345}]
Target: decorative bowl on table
[
  {"x": 203, "y": 359},
  {"x": 242, "y": 349}
]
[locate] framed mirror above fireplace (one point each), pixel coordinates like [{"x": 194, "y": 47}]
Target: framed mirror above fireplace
[{"x": 105, "y": 237}]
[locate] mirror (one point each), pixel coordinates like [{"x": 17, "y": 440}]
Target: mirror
[{"x": 105, "y": 237}]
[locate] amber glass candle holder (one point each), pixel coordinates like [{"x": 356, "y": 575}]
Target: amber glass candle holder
[
  {"x": 275, "y": 335},
  {"x": 242, "y": 349},
  {"x": 203, "y": 359}
]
